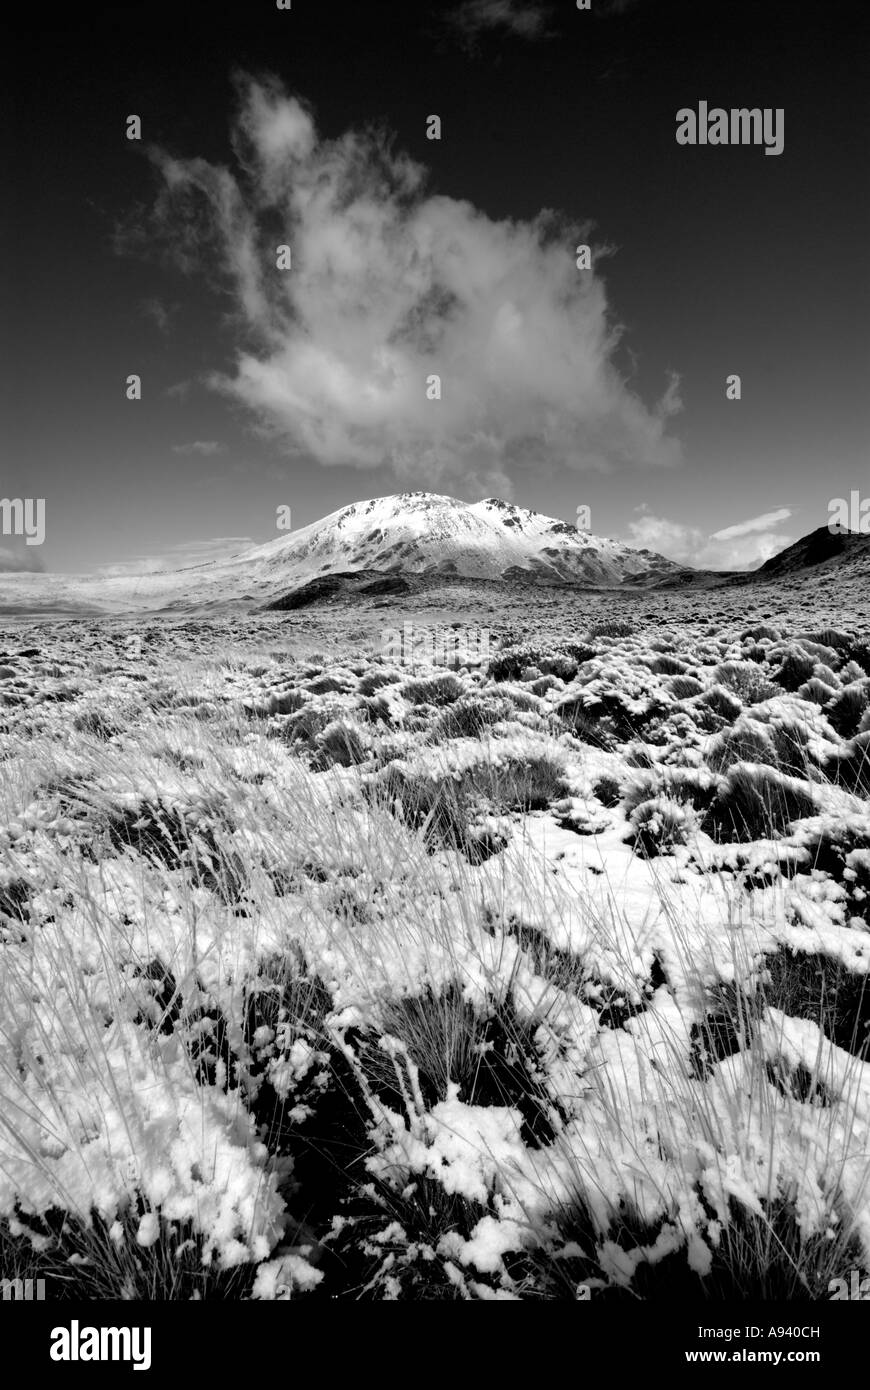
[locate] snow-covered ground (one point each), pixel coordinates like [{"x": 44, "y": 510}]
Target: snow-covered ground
[{"x": 331, "y": 977}]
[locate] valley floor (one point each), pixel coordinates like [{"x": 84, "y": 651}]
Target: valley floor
[{"x": 325, "y": 975}]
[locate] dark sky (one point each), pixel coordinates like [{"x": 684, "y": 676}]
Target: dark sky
[{"x": 719, "y": 260}]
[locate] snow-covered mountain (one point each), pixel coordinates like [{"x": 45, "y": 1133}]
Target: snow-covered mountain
[
  {"x": 411, "y": 533},
  {"x": 426, "y": 533}
]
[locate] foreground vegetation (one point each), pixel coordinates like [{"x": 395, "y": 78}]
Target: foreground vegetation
[{"x": 323, "y": 977}]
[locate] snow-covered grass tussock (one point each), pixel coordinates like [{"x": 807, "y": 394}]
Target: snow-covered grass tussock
[{"x": 326, "y": 978}]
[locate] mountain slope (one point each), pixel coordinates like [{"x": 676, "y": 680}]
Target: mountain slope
[
  {"x": 385, "y": 544},
  {"x": 425, "y": 533},
  {"x": 819, "y": 548},
  {"x": 409, "y": 534}
]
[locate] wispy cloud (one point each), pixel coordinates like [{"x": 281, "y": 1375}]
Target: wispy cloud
[
  {"x": 744, "y": 545},
  {"x": 755, "y": 523},
  {"x": 527, "y": 21},
  {"x": 206, "y": 447},
  {"x": 180, "y": 556},
  {"x": 389, "y": 285},
  {"x": 159, "y": 313}
]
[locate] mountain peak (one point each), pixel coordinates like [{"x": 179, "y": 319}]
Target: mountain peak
[
  {"x": 430, "y": 533},
  {"x": 385, "y": 544}
]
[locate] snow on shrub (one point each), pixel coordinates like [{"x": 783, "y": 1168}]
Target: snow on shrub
[
  {"x": 796, "y": 668},
  {"x": 748, "y": 681},
  {"x": 661, "y": 823},
  {"x": 816, "y": 691},
  {"x": 91, "y": 1126},
  {"x": 847, "y": 708},
  {"x": 758, "y": 801},
  {"x": 434, "y": 690}
]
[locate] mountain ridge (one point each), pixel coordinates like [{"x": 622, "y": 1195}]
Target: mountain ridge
[
  {"x": 817, "y": 548},
  {"x": 422, "y": 532},
  {"x": 387, "y": 544}
]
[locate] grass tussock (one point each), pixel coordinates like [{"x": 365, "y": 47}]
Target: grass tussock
[{"x": 473, "y": 984}]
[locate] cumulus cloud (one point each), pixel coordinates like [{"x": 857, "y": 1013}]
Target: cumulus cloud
[
  {"x": 745, "y": 545},
  {"x": 204, "y": 447},
  {"x": 517, "y": 16},
  {"x": 390, "y": 285}
]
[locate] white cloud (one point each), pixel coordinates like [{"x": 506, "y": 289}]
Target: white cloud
[
  {"x": 755, "y": 523},
  {"x": 205, "y": 447},
  {"x": 390, "y": 284},
  {"x": 180, "y": 556},
  {"x": 743, "y": 546}
]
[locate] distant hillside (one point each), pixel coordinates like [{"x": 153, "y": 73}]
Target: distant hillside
[
  {"x": 383, "y": 541},
  {"x": 393, "y": 545},
  {"x": 818, "y": 548}
]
